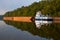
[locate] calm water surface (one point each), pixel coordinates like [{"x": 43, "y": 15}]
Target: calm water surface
[{"x": 10, "y": 30}]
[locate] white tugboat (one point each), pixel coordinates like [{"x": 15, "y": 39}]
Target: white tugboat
[{"x": 40, "y": 19}]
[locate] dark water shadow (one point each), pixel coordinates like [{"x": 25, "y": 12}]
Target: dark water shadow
[{"x": 50, "y": 31}]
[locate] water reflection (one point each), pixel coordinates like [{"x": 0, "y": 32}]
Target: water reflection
[
  {"x": 40, "y": 19},
  {"x": 51, "y": 31},
  {"x": 39, "y": 23},
  {"x": 8, "y": 32}
]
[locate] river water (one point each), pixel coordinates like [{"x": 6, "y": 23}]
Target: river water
[{"x": 10, "y": 30}]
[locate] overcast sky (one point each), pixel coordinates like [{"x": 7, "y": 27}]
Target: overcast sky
[{"x": 8, "y": 5}]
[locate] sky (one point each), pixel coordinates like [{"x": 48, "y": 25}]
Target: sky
[{"x": 8, "y": 5}]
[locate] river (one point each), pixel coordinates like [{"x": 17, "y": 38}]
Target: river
[{"x": 10, "y": 30}]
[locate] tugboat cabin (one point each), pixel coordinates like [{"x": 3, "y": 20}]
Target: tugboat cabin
[{"x": 39, "y": 16}]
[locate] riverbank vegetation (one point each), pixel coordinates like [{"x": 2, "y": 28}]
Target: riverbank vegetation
[
  {"x": 1, "y": 17},
  {"x": 51, "y": 8}
]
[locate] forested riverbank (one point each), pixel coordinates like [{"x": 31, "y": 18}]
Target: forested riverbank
[
  {"x": 1, "y": 17},
  {"x": 51, "y": 8}
]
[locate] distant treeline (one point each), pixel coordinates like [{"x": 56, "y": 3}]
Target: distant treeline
[
  {"x": 49, "y": 7},
  {"x": 1, "y": 17}
]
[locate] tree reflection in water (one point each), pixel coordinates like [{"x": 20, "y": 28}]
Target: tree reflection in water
[{"x": 51, "y": 31}]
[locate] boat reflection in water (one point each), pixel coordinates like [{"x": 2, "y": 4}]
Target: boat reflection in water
[
  {"x": 40, "y": 23},
  {"x": 42, "y": 19}
]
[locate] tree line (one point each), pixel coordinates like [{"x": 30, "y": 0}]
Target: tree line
[{"x": 47, "y": 7}]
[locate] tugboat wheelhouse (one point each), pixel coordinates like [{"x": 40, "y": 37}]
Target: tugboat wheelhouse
[{"x": 39, "y": 16}]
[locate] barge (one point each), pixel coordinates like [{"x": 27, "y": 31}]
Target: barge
[{"x": 40, "y": 19}]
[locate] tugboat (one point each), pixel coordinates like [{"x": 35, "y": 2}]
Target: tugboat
[
  {"x": 40, "y": 19},
  {"x": 39, "y": 16}
]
